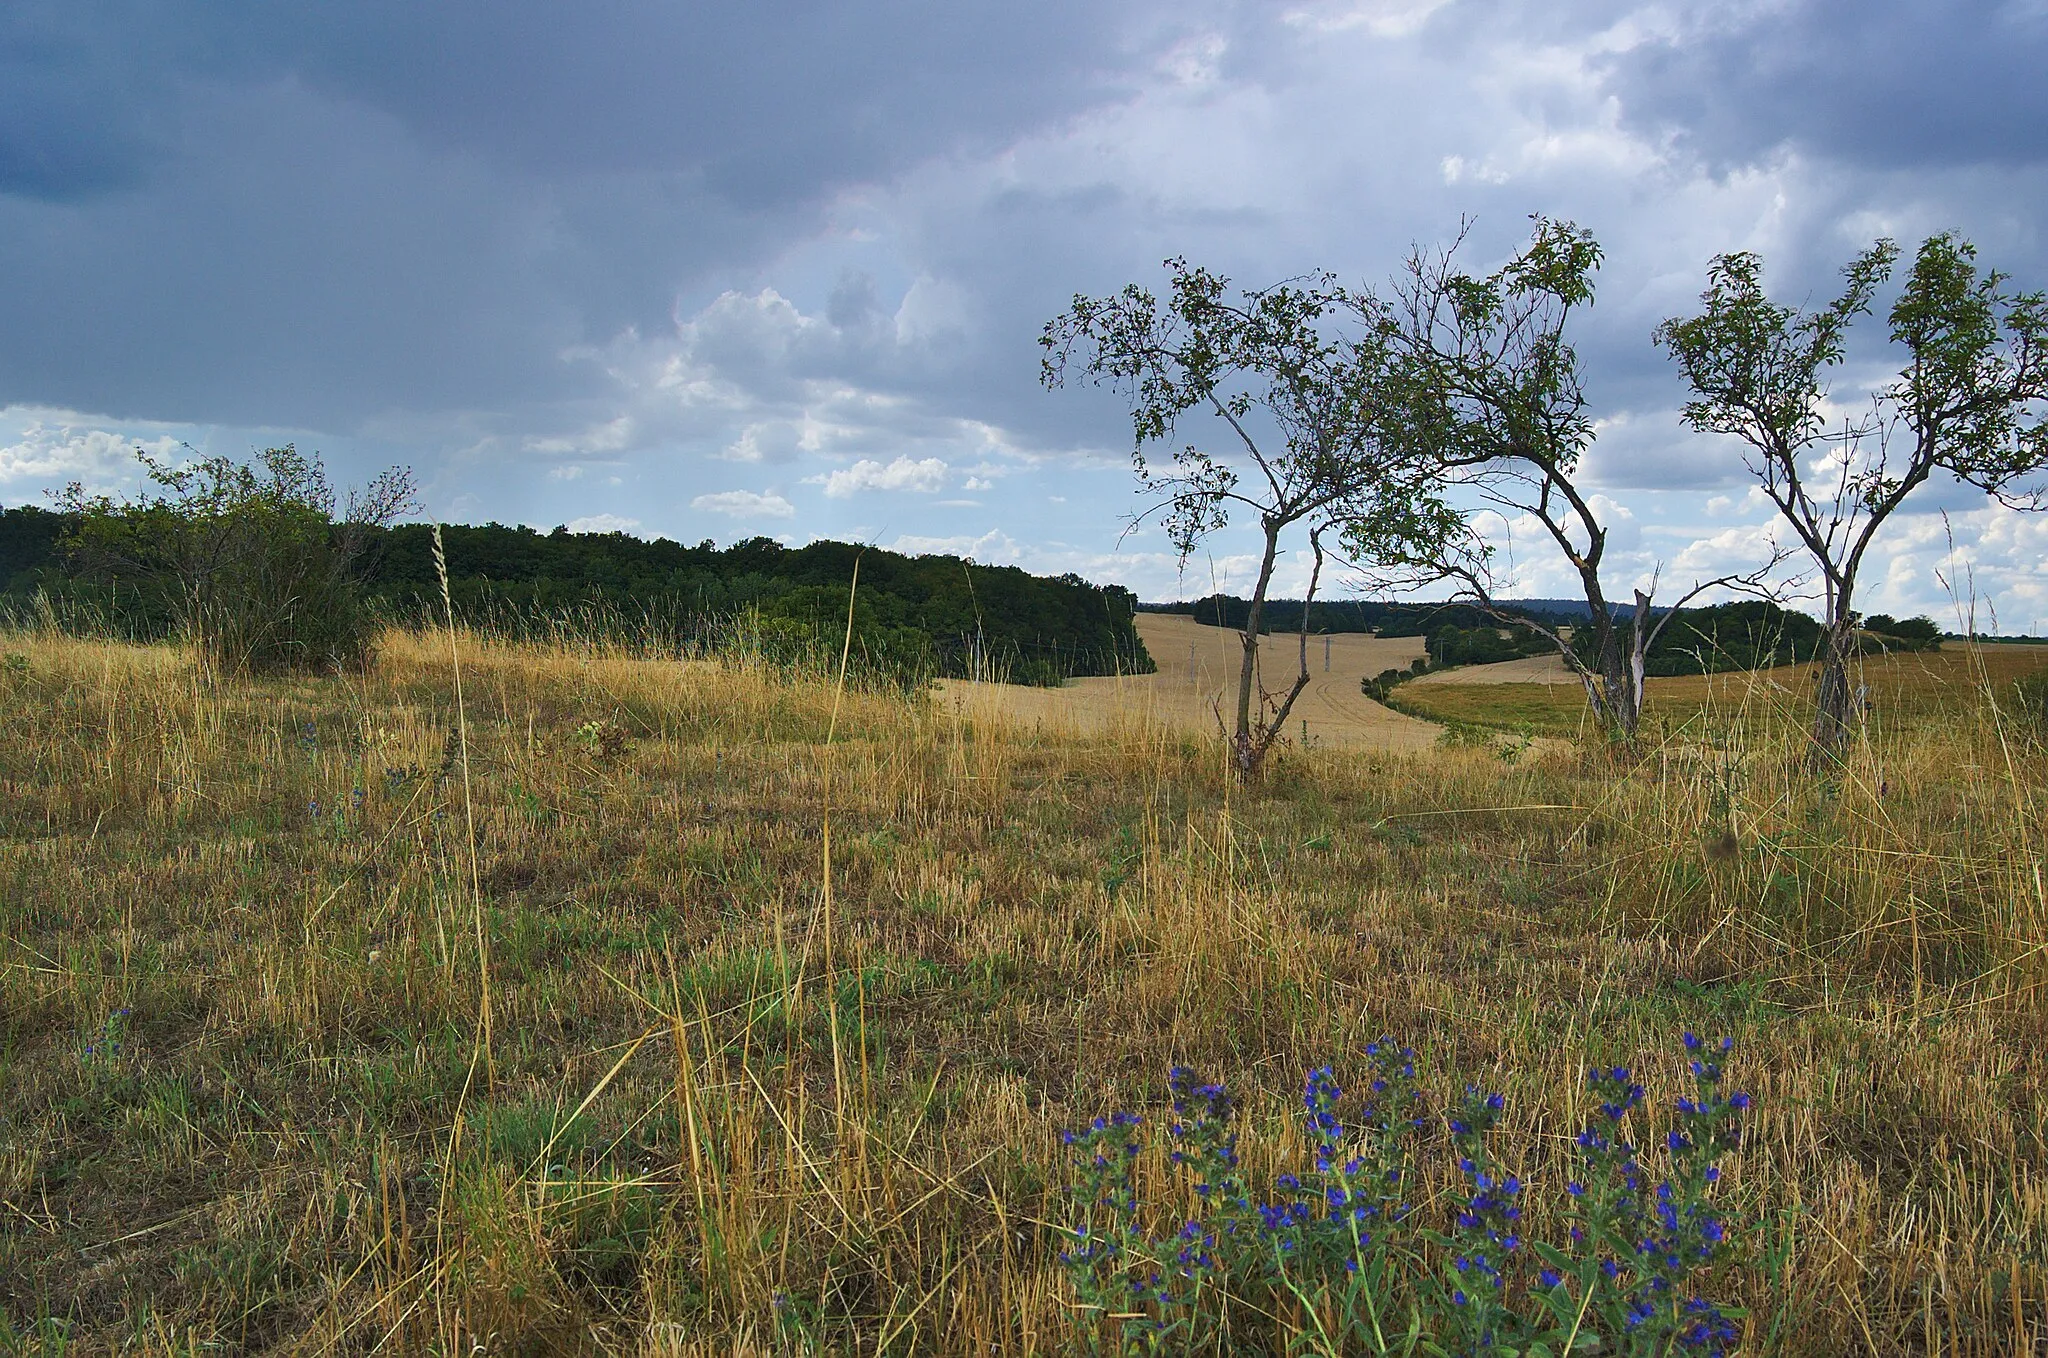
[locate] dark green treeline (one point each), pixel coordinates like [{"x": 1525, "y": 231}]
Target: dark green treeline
[{"x": 914, "y": 617}]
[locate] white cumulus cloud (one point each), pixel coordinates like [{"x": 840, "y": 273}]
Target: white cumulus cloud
[
  {"x": 745, "y": 504},
  {"x": 602, "y": 523},
  {"x": 923, "y": 474},
  {"x": 48, "y": 455}
]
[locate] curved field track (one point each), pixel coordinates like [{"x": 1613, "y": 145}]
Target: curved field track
[
  {"x": 1535, "y": 669},
  {"x": 1198, "y": 672}
]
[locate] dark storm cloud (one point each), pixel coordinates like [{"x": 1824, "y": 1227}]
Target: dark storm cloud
[
  {"x": 767, "y": 102},
  {"x": 783, "y": 265},
  {"x": 278, "y": 214},
  {"x": 1896, "y": 85}
]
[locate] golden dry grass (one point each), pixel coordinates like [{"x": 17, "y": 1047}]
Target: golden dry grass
[{"x": 785, "y": 1028}]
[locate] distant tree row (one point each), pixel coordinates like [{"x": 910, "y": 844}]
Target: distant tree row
[
  {"x": 1341, "y": 616},
  {"x": 913, "y": 616},
  {"x": 259, "y": 566},
  {"x": 1743, "y": 635}
]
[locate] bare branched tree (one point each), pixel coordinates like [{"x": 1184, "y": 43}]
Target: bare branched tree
[
  {"x": 1296, "y": 398},
  {"x": 1486, "y": 385},
  {"x": 1968, "y": 402}
]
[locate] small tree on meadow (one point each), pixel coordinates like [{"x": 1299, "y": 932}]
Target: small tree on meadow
[
  {"x": 249, "y": 558},
  {"x": 1295, "y": 399},
  {"x": 1967, "y": 401},
  {"x": 1486, "y": 386}
]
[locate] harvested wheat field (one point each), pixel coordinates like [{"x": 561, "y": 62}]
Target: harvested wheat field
[
  {"x": 1534, "y": 669},
  {"x": 1198, "y": 667}
]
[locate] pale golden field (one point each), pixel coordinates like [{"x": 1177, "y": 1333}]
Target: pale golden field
[
  {"x": 705, "y": 1010},
  {"x": 1535, "y": 669},
  {"x": 1198, "y": 668}
]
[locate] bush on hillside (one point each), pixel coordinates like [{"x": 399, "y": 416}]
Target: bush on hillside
[
  {"x": 1485, "y": 644},
  {"x": 248, "y": 561},
  {"x": 1881, "y": 632}
]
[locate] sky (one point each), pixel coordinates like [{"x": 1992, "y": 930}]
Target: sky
[{"x": 717, "y": 271}]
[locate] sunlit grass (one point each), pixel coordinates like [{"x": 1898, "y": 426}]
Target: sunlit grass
[
  {"x": 1902, "y": 691},
  {"x": 726, "y": 1108}
]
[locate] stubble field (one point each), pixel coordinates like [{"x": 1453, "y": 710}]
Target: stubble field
[
  {"x": 642, "y": 1007},
  {"x": 1196, "y": 685}
]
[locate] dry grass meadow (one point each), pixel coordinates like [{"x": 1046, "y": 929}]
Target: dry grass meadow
[{"x": 701, "y": 1009}]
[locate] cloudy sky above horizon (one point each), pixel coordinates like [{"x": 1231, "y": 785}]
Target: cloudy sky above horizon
[{"x": 717, "y": 271}]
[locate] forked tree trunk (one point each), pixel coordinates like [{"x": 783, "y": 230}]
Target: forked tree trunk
[
  {"x": 1615, "y": 684},
  {"x": 1243, "y": 743},
  {"x": 1834, "y": 705}
]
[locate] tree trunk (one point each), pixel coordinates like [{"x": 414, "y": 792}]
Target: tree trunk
[
  {"x": 1620, "y": 701},
  {"x": 1639, "y": 634},
  {"x": 1834, "y": 705},
  {"x": 1245, "y": 745}
]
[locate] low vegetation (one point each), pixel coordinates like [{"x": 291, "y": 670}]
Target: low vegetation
[
  {"x": 1901, "y": 690},
  {"x": 914, "y": 618},
  {"x": 704, "y": 1008}
]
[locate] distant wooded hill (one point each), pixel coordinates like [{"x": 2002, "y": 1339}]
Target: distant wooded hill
[
  {"x": 1750, "y": 634},
  {"x": 1357, "y": 615},
  {"x": 913, "y": 616}
]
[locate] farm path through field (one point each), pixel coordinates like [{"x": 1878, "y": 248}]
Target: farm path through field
[
  {"x": 1535, "y": 669},
  {"x": 1198, "y": 670}
]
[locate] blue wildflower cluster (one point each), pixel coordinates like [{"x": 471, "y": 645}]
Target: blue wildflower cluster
[
  {"x": 339, "y": 820},
  {"x": 1487, "y": 1228},
  {"x": 112, "y": 1038},
  {"x": 1101, "y": 1157},
  {"x": 1202, "y": 1138},
  {"x": 1639, "y": 1239},
  {"x": 1334, "y": 1254}
]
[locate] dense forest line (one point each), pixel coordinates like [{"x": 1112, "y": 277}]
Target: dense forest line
[
  {"x": 914, "y": 617},
  {"x": 1747, "y": 634},
  {"x": 1378, "y": 617}
]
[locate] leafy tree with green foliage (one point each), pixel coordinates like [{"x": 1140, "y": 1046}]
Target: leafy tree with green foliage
[
  {"x": 1902, "y": 634},
  {"x": 915, "y": 618},
  {"x": 248, "y": 558},
  {"x": 1970, "y": 400},
  {"x": 1487, "y": 386},
  {"x": 1296, "y": 396},
  {"x": 1748, "y": 634}
]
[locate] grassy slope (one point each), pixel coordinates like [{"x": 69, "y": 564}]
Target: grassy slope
[
  {"x": 1905, "y": 691},
  {"x": 834, "y": 1101}
]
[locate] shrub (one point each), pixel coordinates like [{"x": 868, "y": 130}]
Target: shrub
[
  {"x": 249, "y": 560},
  {"x": 1907, "y": 634},
  {"x": 1339, "y": 1245}
]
